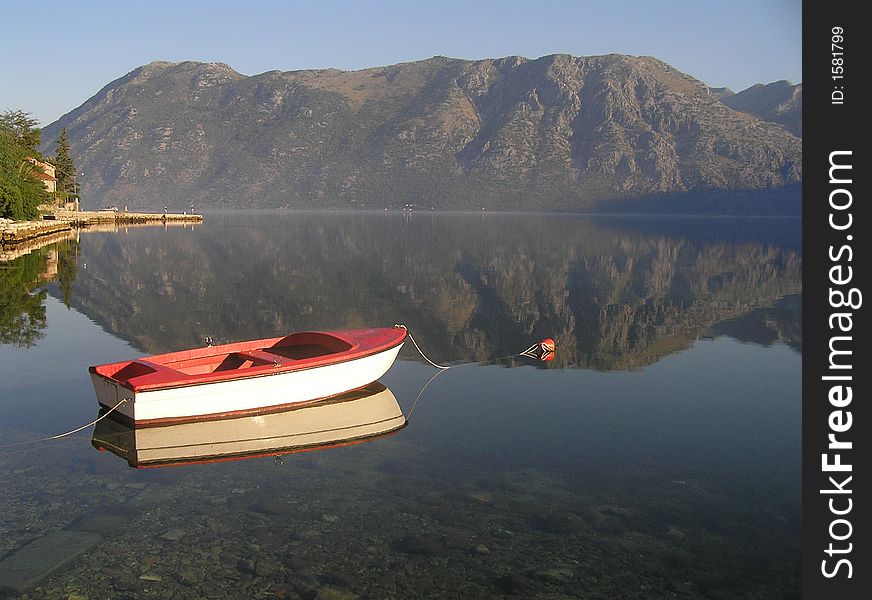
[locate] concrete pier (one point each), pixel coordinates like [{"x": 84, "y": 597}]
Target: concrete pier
[
  {"x": 17, "y": 232},
  {"x": 13, "y": 233}
]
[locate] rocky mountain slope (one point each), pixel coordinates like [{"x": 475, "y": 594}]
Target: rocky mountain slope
[
  {"x": 779, "y": 102},
  {"x": 558, "y": 132}
]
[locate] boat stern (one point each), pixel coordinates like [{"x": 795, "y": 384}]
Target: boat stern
[{"x": 110, "y": 393}]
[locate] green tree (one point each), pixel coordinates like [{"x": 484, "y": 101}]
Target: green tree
[
  {"x": 24, "y": 130},
  {"x": 20, "y": 191},
  {"x": 66, "y": 169}
]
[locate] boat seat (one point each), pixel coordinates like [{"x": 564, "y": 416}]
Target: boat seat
[
  {"x": 262, "y": 355},
  {"x": 157, "y": 373}
]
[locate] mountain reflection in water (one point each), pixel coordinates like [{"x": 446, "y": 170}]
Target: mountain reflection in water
[{"x": 614, "y": 293}]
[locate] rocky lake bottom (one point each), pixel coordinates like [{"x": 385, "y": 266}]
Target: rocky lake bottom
[
  {"x": 397, "y": 517},
  {"x": 355, "y": 523}
]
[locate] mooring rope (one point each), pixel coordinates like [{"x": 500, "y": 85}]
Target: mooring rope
[
  {"x": 66, "y": 433},
  {"x": 543, "y": 350},
  {"x": 421, "y": 352}
]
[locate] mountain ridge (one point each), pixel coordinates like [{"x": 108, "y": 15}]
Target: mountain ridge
[
  {"x": 778, "y": 102},
  {"x": 554, "y": 133}
]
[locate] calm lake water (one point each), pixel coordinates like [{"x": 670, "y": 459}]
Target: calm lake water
[{"x": 658, "y": 456}]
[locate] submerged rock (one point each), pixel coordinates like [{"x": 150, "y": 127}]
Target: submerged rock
[
  {"x": 557, "y": 575},
  {"x": 558, "y": 522},
  {"x": 425, "y": 545},
  {"x": 41, "y": 557},
  {"x": 264, "y": 567},
  {"x": 332, "y": 593},
  {"x": 173, "y": 535},
  {"x": 513, "y": 583},
  {"x": 270, "y": 505},
  {"x": 482, "y": 497},
  {"x": 106, "y": 525}
]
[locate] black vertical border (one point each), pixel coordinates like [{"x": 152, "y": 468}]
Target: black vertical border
[{"x": 829, "y": 127}]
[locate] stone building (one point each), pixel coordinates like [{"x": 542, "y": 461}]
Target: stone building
[{"x": 45, "y": 173}]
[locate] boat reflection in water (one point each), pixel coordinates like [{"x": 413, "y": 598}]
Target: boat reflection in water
[{"x": 360, "y": 415}]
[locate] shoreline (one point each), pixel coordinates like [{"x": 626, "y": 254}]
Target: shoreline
[{"x": 14, "y": 233}]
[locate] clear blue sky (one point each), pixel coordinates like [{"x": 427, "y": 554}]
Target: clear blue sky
[{"x": 62, "y": 53}]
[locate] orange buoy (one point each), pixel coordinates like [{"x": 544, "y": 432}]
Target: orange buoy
[
  {"x": 547, "y": 345},
  {"x": 543, "y": 350}
]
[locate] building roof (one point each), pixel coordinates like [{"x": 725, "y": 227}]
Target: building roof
[{"x": 44, "y": 176}]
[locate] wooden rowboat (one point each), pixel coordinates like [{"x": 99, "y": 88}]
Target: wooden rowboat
[
  {"x": 245, "y": 378},
  {"x": 358, "y": 416}
]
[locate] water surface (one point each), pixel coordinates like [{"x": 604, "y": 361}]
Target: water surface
[{"x": 657, "y": 456}]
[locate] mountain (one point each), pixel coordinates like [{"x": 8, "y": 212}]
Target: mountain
[
  {"x": 721, "y": 92},
  {"x": 555, "y": 133},
  {"x": 779, "y": 102}
]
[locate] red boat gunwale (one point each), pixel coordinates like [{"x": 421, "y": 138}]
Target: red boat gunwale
[{"x": 255, "y": 358}]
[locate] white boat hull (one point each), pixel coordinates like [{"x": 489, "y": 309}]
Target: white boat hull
[{"x": 238, "y": 396}]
